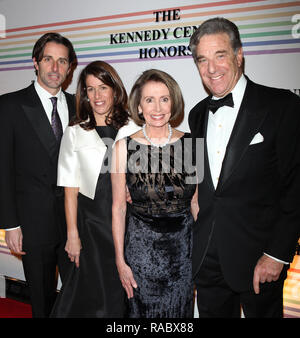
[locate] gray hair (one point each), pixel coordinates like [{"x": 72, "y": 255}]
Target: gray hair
[{"x": 215, "y": 26}]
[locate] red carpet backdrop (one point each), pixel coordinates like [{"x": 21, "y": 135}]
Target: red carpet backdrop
[
  {"x": 291, "y": 293},
  {"x": 10, "y": 308}
]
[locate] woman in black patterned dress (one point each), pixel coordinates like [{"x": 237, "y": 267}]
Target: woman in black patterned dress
[{"x": 153, "y": 251}]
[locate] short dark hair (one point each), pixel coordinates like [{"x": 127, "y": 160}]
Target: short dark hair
[
  {"x": 215, "y": 26},
  {"x": 118, "y": 117},
  {"x": 177, "y": 102},
  {"x": 39, "y": 47}
]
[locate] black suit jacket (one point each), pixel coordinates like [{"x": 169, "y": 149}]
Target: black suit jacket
[
  {"x": 28, "y": 172},
  {"x": 255, "y": 207}
]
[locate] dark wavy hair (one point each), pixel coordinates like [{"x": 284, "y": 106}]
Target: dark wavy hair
[
  {"x": 39, "y": 47},
  {"x": 119, "y": 115}
]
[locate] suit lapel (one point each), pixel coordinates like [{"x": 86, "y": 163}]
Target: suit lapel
[
  {"x": 71, "y": 105},
  {"x": 202, "y": 124},
  {"x": 201, "y": 132},
  {"x": 37, "y": 117},
  {"x": 250, "y": 117}
]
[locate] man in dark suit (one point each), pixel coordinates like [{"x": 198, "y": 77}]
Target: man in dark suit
[
  {"x": 248, "y": 224},
  {"x": 32, "y": 206}
]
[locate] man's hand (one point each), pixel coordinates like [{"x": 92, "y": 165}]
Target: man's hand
[
  {"x": 266, "y": 270},
  {"x": 14, "y": 241}
]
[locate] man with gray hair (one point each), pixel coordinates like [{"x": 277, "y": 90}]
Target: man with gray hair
[{"x": 248, "y": 224}]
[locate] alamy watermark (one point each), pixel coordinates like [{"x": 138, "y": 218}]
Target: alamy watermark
[
  {"x": 186, "y": 157},
  {"x": 2, "y": 26}
]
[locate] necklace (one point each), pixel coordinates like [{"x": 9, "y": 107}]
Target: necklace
[{"x": 158, "y": 145}]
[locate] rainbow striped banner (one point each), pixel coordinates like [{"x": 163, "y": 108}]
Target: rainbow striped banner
[
  {"x": 266, "y": 27},
  {"x": 291, "y": 291},
  {"x": 3, "y": 247}
]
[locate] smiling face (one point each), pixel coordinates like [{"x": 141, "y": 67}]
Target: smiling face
[
  {"x": 219, "y": 67},
  {"x": 155, "y": 104},
  {"x": 101, "y": 98},
  {"x": 53, "y": 67}
]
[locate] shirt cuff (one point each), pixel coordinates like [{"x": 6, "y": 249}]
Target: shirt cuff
[
  {"x": 276, "y": 259},
  {"x": 12, "y": 228}
]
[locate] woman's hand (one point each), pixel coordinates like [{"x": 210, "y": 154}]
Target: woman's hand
[
  {"x": 127, "y": 279},
  {"x": 73, "y": 247}
]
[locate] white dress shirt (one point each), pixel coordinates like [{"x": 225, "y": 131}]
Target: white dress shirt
[
  {"x": 219, "y": 129},
  {"x": 62, "y": 107}
]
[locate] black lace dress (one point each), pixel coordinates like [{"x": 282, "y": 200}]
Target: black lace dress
[{"x": 158, "y": 240}]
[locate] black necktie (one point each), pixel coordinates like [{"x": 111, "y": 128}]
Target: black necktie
[
  {"x": 55, "y": 120},
  {"x": 214, "y": 105}
]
